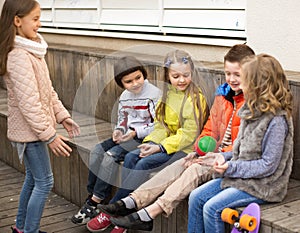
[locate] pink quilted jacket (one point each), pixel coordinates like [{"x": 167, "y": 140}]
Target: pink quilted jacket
[{"x": 33, "y": 105}]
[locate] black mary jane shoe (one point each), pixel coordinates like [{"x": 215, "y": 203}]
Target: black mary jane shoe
[
  {"x": 133, "y": 222},
  {"x": 116, "y": 209}
]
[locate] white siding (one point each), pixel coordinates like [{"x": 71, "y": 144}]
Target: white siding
[{"x": 185, "y": 18}]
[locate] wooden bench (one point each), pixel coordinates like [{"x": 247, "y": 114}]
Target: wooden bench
[{"x": 67, "y": 68}]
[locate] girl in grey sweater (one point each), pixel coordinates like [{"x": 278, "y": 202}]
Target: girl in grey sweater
[{"x": 258, "y": 168}]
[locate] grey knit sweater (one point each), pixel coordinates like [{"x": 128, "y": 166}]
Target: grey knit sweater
[{"x": 251, "y": 148}]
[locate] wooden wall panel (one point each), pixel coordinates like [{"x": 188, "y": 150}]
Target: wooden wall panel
[{"x": 295, "y": 89}]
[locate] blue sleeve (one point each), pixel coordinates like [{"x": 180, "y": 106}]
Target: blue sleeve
[
  {"x": 227, "y": 155},
  {"x": 223, "y": 89},
  {"x": 272, "y": 149}
]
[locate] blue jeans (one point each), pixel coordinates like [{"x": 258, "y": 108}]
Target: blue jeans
[
  {"x": 104, "y": 164},
  {"x": 36, "y": 188},
  {"x": 207, "y": 202},
  {"x": 137, "y": 170}
]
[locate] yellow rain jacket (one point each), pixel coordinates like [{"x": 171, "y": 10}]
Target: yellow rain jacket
[{"x": 180, "y": 138}]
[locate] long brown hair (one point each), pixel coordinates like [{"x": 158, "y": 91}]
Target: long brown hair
[
  {"x": 192, "y": 90},
  {"x": 11, "y": 8},
  {"x": 266, "y": 86}
]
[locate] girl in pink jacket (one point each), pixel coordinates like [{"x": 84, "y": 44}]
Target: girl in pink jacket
[{"x": 33, "y": 107}]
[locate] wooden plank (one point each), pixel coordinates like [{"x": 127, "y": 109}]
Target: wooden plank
[
  {"x": 90, "y": 134},
  {"x": 295, "y": 89},
  {"x": 84, "y": 120},
  {"x": 108, "y": 94},
  {"x": 57, "y": 212},
  {"x": 62, "y": 176},
  {"x": 83, "y": 176},
  {"x": 289, "y": 224},
  {"x": 4, "y": 144},
  {"x": 283, "y": 217},
  {"x": 68, "y": 80},
  {"x": 86, "y": 98},
  {"x": 55, "y": 74},
  {"x": 65, "y": 227},
  {"x": 9, "y": 191},
  {"x": 75, "y": 177},
  {"x": 208, "y": 82}
]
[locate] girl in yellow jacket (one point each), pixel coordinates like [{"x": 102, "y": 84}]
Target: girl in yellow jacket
[{"x": 180, "y": 116}]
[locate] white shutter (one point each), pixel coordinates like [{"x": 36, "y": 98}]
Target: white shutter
[{"x": 178, "y": 18}]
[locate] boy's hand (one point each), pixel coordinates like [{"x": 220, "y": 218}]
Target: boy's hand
[
  {"x": 59, "y": 147},
  {"x": 117, "y": 135},
  {"x": 128, "y": 136},
  {"x": 148, "y": 149},
  {"x": 71, "y": 126},
  {"x": 188, "y": 160}
]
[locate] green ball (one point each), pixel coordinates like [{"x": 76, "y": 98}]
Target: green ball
[{"x": 206, "y": 144}]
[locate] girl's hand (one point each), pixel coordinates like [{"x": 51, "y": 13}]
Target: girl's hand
[
  {"x": 128, "y": 136},
  {"x": 59, "y": 147},
  {"x": 211, "y": 159},
  {"x": 71, "y": 127},
  {"x": 220, "y": 168},
  {"x": 148, "y": 149},
  {"x": 188, "y": 160},
  {"x": 117, "y": 135}
]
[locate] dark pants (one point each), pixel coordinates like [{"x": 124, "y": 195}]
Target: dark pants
[{"x": 104, "y": 164}]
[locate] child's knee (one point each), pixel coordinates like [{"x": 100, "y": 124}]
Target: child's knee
[{"x": 45, "y": 184}]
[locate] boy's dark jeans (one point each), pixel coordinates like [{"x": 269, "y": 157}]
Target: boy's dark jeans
[{"x": 104, "y": 164}]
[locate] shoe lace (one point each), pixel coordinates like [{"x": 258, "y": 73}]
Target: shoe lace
[{"x": 101, "y": 218}]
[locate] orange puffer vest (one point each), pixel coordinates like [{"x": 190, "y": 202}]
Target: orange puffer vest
[{"x": 220, "y": 115}]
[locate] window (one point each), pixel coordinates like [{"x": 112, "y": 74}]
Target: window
[{"x": 174, "y": 20}]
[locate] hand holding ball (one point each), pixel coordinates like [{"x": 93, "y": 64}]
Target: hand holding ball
[{"x": 206, "y": 144}]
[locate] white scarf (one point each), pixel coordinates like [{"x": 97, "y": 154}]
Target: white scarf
[{"x": 36, "y": 48}]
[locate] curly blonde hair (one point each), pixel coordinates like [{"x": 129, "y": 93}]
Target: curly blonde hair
[{"x": 265, "y": 85}]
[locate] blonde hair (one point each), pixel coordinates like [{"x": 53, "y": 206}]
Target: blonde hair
[
  {"x": 181, "y": 56},
  {"x": 266, "y": 86}
]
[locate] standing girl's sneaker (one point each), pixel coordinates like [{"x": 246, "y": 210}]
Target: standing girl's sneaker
[{"x": 15, "y": 230}]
